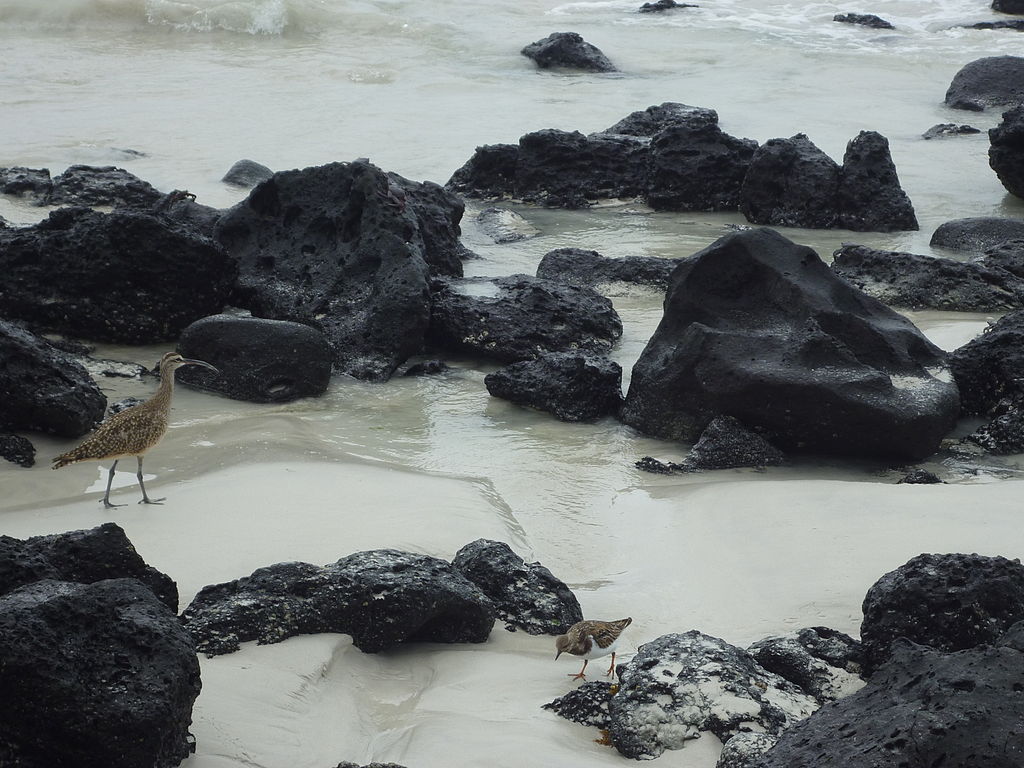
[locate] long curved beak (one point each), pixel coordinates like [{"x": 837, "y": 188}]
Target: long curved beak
[
  {"x": 557, "y": 655},
  {"x": 203, "y": 363}
]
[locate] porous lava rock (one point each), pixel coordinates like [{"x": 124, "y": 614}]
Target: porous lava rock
[
  {"x": 122, "y": 277},
  {"x": 526, "y": 596},
  {"x": 84, "y": 557},
  {"x": 568, "y": 50},
  {"x": 1006, "y": 150},
  {"x": 680, "y": 685},
  {"x": 990, "y": 367},
  {"x": 870, "y": 198},
  {"x": 519, "y": 317},
  {"x": 759, "y": 328},
  {"x": 824, "y": 663},
  {"x": 927, "y": 282},
  {"x": 99, "y": 674},
  {"x": 33, "y": 184},
  {"x": 45, "y": 390},
  {"x": 863, "y": 20},
  {"x": 91, "y": 186},
  {"x": 579, "y": 266},
  {"x": 258, "y": 360},
  {"x": 726, "y": 444},
  {"x": 946, "y": 130},
  {"x": 993, "y": 81},
  {"x": 572, "y": 386},
  {"x": 977, "y": 234},
  {"x": 924, "y": 707},
  {"x": 17, "y": 450},
  {"x": 945, "y": 601},
  {"x": 382, "y": 598},
  {"x": 744, "y": 750},
  {"x": 586, "y": 704},
  {"x": 349, "y": 250}
]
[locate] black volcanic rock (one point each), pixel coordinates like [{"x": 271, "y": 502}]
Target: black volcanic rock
[
  {"x": 31, "y": 183},
  {"x": 759, "y": 328},
  {"x": 726, "y": 444},
  {"x": 349, "y": 250},
  {"x": 949, "y": 602},
  {"x": 990, "y": 367},
  {"x": 1008, "y": 6},
  {"x": 490, "y": 173},
  {"x": 663, "y": 5},
  {"x": 578, "y": 266},
  {"x": 914, "y": 281},
  {"x": 44, "y": 389},
  {"x": 107, "y": 185},
  {"x": 571, "y": 385},
  {"x": 943, "y": 130},
  {"x": 568, "y": 50},
  {"x": 586, "y": 704},
  {"x": 994, "y": 81},
  {"x": 864, "y": 20},
  {"x": 246, "y": 173},
  {"x": 383, "y": 598},
  {"x": 98, "y": 674},
  {"x": 1006, "y": 151},
  {"x": 525, "y": 595},
  {"x": 122, "y": 277},
  {"x": 656, "y": 118},
  {"x": 824, "y": 663},
  {"x": 261, "y": 361},
  {"x": 870, "y": 198},
  {"x": 977, "y": 234},
  {"x": 17, "y": 450},
  {"x": 519, "y": 317}
]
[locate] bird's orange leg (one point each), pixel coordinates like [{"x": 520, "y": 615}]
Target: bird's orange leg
[
  {"x": 611, "y": 669},
  {"x": 579, "y": 675}
]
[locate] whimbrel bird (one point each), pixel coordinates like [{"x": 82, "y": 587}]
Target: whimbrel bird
[
  {"x": 133, "y": 431},
  {"x": 592, "y": 640}
]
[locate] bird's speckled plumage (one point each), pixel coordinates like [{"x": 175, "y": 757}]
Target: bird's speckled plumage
[
  {"x": 591, "y": 639},
  {"x": 133, "y": 431}
]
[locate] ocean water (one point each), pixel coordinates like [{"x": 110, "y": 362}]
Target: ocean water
[{"x": 178, "y": 91}]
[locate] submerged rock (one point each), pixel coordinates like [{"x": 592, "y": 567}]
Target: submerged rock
[
  {"x": 578, "y": 266},
  {"x": 503, "y": 225},
  {"x": 993, "y": 81},
  {"x": 261, "y": 361},
  {"x": 519, "y": 317},
  {"x": 98, "y": 674},
  {"x": 571, "y": 385},
  {"x": 943, "y": 130},
  {"x": 949, "y": 602},
  {"x": 1006, "y": 153},
  {"x": 382, "y": 598},
  {"x": 976, "y": 234},
  {"x": 927, "y": 282},
  {"x": 759, "y": 328},
  {"x": 525, "y": 595},
  {"x": 45, "y": 390},
  {"x": 247, "y": 173},
  {"x": 864, "y": 20},
  {"x": 663, "y": 5},
  {"x": 678, "y": 686},
  {"x": 568, "y": 50}
]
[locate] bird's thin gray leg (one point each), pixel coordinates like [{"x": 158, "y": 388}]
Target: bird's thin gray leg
[
  {"x": 142, "y": 485},
  {"x": 110, "y": 479}
]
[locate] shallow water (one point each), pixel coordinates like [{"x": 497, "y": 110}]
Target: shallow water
[{"x": 177, "y": 91}]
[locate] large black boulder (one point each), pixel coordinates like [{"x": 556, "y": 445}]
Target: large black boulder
[
  {"x": 350, "y": 250},
  {"x": 578, "y": 266},
  {"x": 122, "y": 277},
  {"x": 924, "y": 708},
  {"x": 927, "y": 282},
  {"x": 994, "y": 81},
  {"x": 568, "y": 50},
  {"x": 93, "y": 675},
  {"x": 519, "y": 317},
  {"x": 1006, "y": 150},
  {"x": 91, "y": 186},
  {"x": 44, "y": 389},
  {"x": 990, "y": 367},
  {"x": 382, "y": 598},
  {"x": 525, "y": 595},
  {"x": 85, "y": 557},
  {"x": 759, "y": 328},
  {"x": 977, "y": 234},
  {"x": 949, "y": 602},
  {"x": 1008, "y": 6},
  {"x": 571, "y": 385},
  {"x": 870, "y": 198},
  {"x": 259, "y": 360}
]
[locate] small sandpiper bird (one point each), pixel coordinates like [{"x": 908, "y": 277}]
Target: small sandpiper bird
[
  {"x": 133, "y": 431},
  {"x": 591, "y": 640}
]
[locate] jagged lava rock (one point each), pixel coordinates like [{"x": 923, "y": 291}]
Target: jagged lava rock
[
  {"x": 726, "y": 444},
  {"x": 578, "y": 266},
  {"x": 525, "y": 595},
  {"x": 17, "y": 450},
  {"x": 568, "y": 50},
  {"x": 870, "y": 198},
  {"x": 571, "y": 385},
  {"x": 976, "y": 234},
  {"x": 656, "y": 118},
  {"x": 31, "y": 183},
  {"x": 107, "y": 185},
  {"x": 990, "y": 367},
  {"x": 680, "y": 685},
  {"x": 122, "y": 277},
  {"x": 45, "y": 390},
  {"x": 84, "y": 557},
  {"x": 1006, "y": 150},
  {"x": 824, "y": 663},
  {"x": 920, "y": 476},
  {"x": 791, "y": 183},
  {"x": 993, "y": 81},
  {"x": 96, "y": 674},
  {"x": 350, "y": 250},
  {"x": 759, "y": 328},
  {"x": 927, "y": 282},
  {"x": 382, "y": 598},
  {"x": 922, "y": 708},
  {"x": 663, "y": 5},
  {"x": 586, "y": 704},
  {"x": 519, "y": 317},
  {"x": 744, "y": 750},
  {"x": 949, "y": 602},
  {"x": 259, "y": 360},
  {"x": 864, "y": 20}
]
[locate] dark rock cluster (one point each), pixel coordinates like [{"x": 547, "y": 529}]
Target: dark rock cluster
[{"x": 568, "y": 50}]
